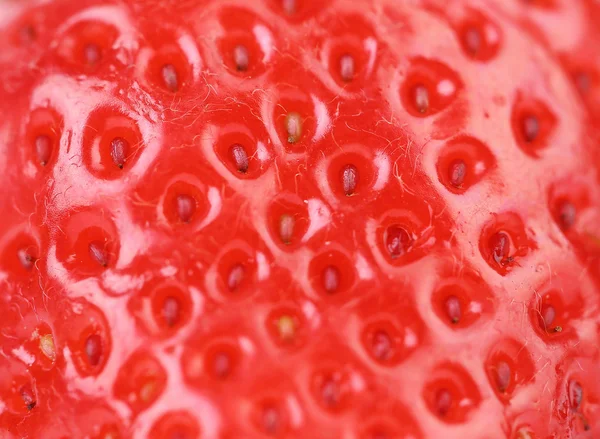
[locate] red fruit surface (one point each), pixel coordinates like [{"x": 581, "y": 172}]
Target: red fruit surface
[{"x": 346, "y": 219}]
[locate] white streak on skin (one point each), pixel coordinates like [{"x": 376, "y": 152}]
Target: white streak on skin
[
  {"x": 246, "y": 345},
  {"x": 363, "y": 268},
  {"x": 294, "y": 411},
  {"x": 25, "y": 356},
  {"x": 370, "y": 46},
  {"x": 410, "y": 338},
  {"x": 322, "y": 117},
  {"x": 264, "y": 37},
  {"x": 319, "y": 217},
  {"x": 216, "y": 204},
  {"x": 312, "y": 316},
  {"x": 262, "y": 152},
  {"x": 357, "y": 382},
  {"x": 263, "y": 266},
  {"x": 446, "y": 87},
  {"x": 192, "y": 55},
  {"x": 382, "y": 163},
  {"x": 120, "y": 283}
]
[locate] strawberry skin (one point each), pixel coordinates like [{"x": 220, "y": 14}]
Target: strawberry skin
[{"x": 362, "y": 219}]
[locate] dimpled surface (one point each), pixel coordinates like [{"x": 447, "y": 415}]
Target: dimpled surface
[{"x": 351, "y": 219}]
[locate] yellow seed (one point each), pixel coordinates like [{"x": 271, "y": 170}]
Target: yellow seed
[
  {"x": 286, "y": 327},
  {"x": 47, "y": 346}
]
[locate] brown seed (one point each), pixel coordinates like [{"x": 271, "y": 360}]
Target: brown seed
[
  {"x": 503, "y": 376},
  {"x": 293, "y": 126},
  {"x": 186, "y": 207},
  {"x": 347, "y": 67},
  {"x": 98, "y": 252},
  {"x": 458, "y": 171},
  {"x": 531, "y": 128},
  {"x": 171, "y": 311},
  {"x": 221, "y": 365},
  {"x": 381, "y": 346},
  {"x": 236, "y": 277},
  {"x": 397, "y": 241},
  {"x": 567, "y": 214},
  {"x": 443, "y": 402},
  {"x": 453, "y": 309},
  {"x": 26, "y": 259},
  {"x": 330, "y": 393},
  {"x": 421, "y": 98},
  {"x": 241, "y": 58},
  {"x": 28, "y": 397},
  {"x": 575, "y": 394},
  {"x": 91, "y": 54},
  {"x": 93, "y": 349},
  {"x": 169, "y": 77},
  {"x": 472, "y": 40},
  {"x": 500, "y": 246},
  {"x": 119, "y": 148},
  {"x": 548, "y": 314},
  {"x": 286, "y": 228},
  {"x": 289, "y": 6},
  {"x": 349, "y": 179},
  {"x": 43, "y": 148},
  {"x": 271, "y": 420},
  {"x": 239, "y": 157},
  {"x": 331, "y": 279}
]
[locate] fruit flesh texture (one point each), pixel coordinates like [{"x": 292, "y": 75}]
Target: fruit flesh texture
[{"x": 398, "y": 233}]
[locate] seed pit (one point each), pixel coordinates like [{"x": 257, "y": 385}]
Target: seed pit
[
  {"x": 93, "y": 349},
  {"x": 239, "y": 157}
]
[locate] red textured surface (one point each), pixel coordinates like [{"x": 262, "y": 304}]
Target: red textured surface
[{"x": 358, "y": 219}]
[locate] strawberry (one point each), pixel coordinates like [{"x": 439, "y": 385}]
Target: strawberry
[{"x": 358, "y": 219}]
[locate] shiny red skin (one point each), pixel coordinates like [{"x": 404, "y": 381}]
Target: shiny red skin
[{"x": 244, "y": 219}]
